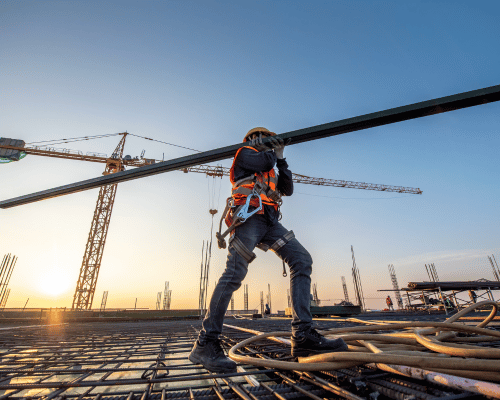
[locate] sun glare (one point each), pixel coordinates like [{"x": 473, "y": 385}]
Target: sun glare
[{"x": 54, "y": 284}]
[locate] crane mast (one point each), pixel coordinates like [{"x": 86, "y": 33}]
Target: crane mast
[{"x": 89, "y": 271}]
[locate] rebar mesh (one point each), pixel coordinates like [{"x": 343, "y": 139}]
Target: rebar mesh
[{"x": 148, "y": 359}]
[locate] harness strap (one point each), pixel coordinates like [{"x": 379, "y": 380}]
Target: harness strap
[
  {"x": 241, "y": 249},
  {"x": 260, "y": 187},
  {"x": 279, "y": 243},
  {"x": 282, "y": 241},
  {"x": 235, "y": 222}
]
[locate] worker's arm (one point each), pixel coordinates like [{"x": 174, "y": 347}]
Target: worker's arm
[
  {"x": 250, "y": 162},
  {"x": 285, "y": 181}
]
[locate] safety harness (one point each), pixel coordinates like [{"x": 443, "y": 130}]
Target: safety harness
[{"x": 247, "y": 198}]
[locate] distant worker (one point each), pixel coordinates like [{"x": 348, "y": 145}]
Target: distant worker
[
  {"x": 252, "y": 215},
  {"x": 267, "y": 311},
  {"x": 448, "y": 303},
  {"x": 473, "y": 296},
  {"x": 388, "y": 301}
]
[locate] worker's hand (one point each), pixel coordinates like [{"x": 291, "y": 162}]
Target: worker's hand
[
  {"x": 258, "y": 145},
  {"x": 278, "y": 145}
]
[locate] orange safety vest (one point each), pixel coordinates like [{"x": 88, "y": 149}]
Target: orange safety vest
[{"x": 240, "y": 192}]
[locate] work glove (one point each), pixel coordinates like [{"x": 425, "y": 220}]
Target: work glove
[{"x": 276, "y": 144}]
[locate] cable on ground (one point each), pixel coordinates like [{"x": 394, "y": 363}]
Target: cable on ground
[{"x": 423, "y": 348}]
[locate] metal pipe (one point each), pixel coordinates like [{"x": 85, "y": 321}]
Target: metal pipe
[
  {"x": 455, "y": 382},
  {"x": 380, "y": 118}
]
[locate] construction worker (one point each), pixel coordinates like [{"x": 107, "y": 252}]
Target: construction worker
[
  {"x": 256, "y": 186},
  {"x": 388, "y": 301}
]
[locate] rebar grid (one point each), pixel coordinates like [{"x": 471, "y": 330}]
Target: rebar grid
[{"x": 148, "y": 360}]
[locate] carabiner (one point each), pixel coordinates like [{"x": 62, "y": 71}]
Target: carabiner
[{"x": 243, "y": 214}]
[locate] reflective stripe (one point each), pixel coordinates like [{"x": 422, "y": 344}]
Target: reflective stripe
[{"x": 242, "y": 190}]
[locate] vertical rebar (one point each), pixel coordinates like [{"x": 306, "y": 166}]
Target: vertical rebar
[
  {"x": 269, "y": 297},
  {"x": 262, "y": 303},
  {"x": 357, "y": 282},
  {"x": 4, "y": 301},
  {"x": 344, "y": 286},
  {"x": 200, "y": 298},
  {"x": 6, "y": 280},
  {"x": 495, "y": 274},
  {"x": 104, "y": 301},
  {"x": 429, "y": 274},
  {"x": 165, "y": 296},
  {"x": 245, "y": 297},
  {"x": 494, "y": 259},
  {"x": 158, "y": 300},
  {"x": 434, "y": 270}
]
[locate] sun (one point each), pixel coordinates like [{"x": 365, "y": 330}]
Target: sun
[{"x": 54, "y": 284}]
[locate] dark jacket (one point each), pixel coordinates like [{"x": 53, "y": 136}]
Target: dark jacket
[{"x": 250, "y": 162}]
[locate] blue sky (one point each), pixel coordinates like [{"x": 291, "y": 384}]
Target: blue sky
[{"x": 200, "y": 74}]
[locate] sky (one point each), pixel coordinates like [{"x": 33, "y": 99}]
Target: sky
[{"x": 200, "y": 74}]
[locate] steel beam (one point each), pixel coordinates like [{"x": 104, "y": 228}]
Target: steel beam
[{"x": 403, "y": 113}]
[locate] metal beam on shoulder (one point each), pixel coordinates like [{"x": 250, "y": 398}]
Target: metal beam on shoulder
[{"x": 398, "y": 114}]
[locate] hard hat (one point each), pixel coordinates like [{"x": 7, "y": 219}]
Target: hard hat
[{"x": 259, "y": 129}]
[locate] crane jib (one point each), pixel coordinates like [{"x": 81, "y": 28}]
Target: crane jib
[{"x": 398, "y": 114}]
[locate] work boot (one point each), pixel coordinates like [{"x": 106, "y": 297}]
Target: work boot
[
  {"x": 212, "y": 357},
  {"x": 311, "y": 342}
]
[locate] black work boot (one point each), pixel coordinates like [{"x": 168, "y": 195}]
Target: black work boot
[
  {"x": 212, "y": 357},
  {"x": 311, "y": 342}
]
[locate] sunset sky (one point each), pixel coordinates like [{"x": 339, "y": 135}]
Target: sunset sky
[{"x": 200, "y": 74}]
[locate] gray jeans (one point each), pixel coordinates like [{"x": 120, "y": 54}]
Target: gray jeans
[{"x": 257, "y": 229}]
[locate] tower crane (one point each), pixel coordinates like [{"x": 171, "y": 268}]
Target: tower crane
[{"x": 14, "y": 150}]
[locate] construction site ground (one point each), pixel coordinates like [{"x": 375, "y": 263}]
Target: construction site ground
[{"x": 148, "y": 359}]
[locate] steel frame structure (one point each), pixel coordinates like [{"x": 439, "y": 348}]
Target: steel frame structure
[
  {"x": 148, "y": 360},
  {"x": 380, "y": 118}
]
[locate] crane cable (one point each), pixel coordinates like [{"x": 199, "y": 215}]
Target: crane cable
[
  {"x": 447, "y": 352},
  {"x": 69, "y": 140},
  {"x": 160, "y": 141},
  {"x": 212, "y": 206}
]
